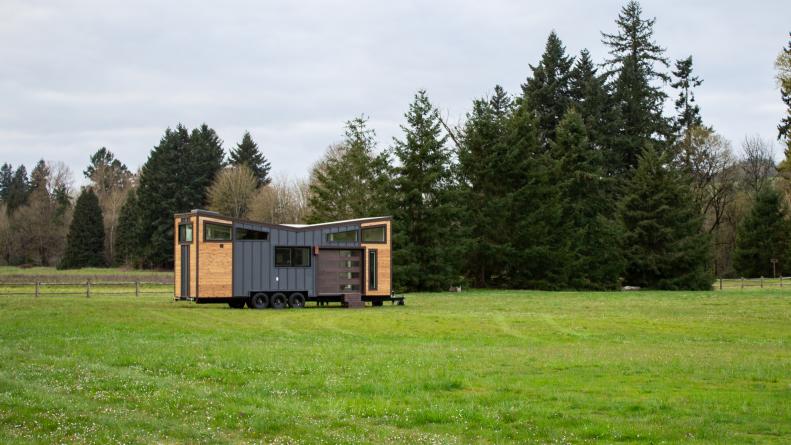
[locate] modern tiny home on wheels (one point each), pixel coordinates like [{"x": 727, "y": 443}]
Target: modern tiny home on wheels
[{"x": 219, "y": 259}]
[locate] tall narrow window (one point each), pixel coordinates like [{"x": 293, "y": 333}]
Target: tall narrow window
[
  {"x": 185, "y": 233},
  {"x": 372, "y": 268}
]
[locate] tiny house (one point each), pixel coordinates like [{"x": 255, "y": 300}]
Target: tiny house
[{"x": 219, "y": 259}]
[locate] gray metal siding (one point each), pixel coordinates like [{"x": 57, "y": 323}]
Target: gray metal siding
[{"x": 253, "y": 261}]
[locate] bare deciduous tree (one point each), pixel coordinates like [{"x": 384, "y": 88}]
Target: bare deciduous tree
[
  {"x": 232, "y": 190},
  {"x": 758, "y": 163},
  {"x": 284, "y": 201}
]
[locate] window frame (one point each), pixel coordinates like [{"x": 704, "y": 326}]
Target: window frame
[
  {"x": 236, "y": 238},
  {"x": 291, "y": 256},
  {"x": 383, "y": 226},
  {"x": 373, "y": 278},
  {"x": 192, "y": 233},
  {"x": 330, "y": 234},
  {"x": 205, "y": 232}
]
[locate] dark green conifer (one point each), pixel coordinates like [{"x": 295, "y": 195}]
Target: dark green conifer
[
  {"x": 665, "y": 246},
  {"x": 764, "y": 234},
  {"x": 85, "y": 240},
  {"x": 248, "y": 153}
]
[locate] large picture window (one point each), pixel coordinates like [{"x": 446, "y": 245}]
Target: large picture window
[
  {"x": 292, "y": 256},
  {"x": 348, "y": 236},
  {"x": 376, "y": 234},
  {"x": 216, "y": 232},
  {"x": 185, "y": 233}
]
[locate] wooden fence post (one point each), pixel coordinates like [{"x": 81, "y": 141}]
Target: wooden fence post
[
  {"x": 762, "y": 281},
  {"x": 742, "y": 283},
  {"x": 137, "y": 288},
  {"x": 87, "y": 288},
  {"x": 781, "y": 281},
  {"x": 720, "y": 283},
  {"x": 37, "y": 290}
]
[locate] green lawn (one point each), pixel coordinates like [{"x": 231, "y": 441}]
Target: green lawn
[{"x": 477, "y": 367}]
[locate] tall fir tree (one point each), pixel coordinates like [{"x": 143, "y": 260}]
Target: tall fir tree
[
  {"x": 687, "y": 110},
  {"x": 18, "y": 190},
  {"x": 106, "y": 171},
  {"x": 783, "y": 65},
  {"x": 485, "y": 199},
  {"x": 592, "y": 99},
  {"x": 248, "y": 153},
  {"x": 129, "y": 241},
  {"x": 6, "y": 177},
  {"x": 764, "y": 234},
  {"x": 596, "y": 261},
  {"x": 174, "y": 179},
  {"x": 85, "y": 240},
  {"x": 546, "y": 92},
  {"x": 539, "y": 246},
  {"x": 634, "y": 56},
  {"x": 665, "y": 247},
  {"x": 352, "y": 180},
  {"x": 422, "y": 206}
]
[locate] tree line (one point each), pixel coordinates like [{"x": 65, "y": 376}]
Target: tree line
[{"x": 578, "y": 181}]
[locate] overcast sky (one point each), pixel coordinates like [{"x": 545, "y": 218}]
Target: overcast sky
[{"x": 78, "y": 75}]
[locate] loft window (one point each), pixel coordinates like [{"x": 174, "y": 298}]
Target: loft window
[
  {"x": 251, "y": 235},
  {"x": 372, "y": 269},
  {"x": 348, "y": 236},
  {"x": 216, "y": 232},
  {"x": 292, "y": 256},
  {"x": 185, "y": 233},
  {"x": 374, "y": 234}
]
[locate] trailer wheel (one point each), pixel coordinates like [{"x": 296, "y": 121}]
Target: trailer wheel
[
  {"x": 377, "y": 303},
  {"x": 278, "y": 301},
  {"x": 296, "y": 300},
  {"x": 258, "y": 301},
  {"x": 236, "y": 303}
]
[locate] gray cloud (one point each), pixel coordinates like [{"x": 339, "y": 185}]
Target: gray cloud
[{"x": 79, "y": 75}]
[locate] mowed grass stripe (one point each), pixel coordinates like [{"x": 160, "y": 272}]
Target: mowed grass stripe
[{"x": 476, "y": 367}]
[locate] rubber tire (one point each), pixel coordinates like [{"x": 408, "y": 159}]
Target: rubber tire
[
  {"x": 278, "y": 301},
  {"x": 377, "y": 303},
  {"x": 296, "y": 300},
  {"x": 258, "y": 301},
  {"x": 236, "y": 303}
]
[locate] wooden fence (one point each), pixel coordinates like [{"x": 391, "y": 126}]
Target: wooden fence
[
  {"x": 87, "y": 289},
  {"x": 743, "y": 283}
]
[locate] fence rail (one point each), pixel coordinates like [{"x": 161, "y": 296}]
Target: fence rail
[
  {"x": 761, "y": 282},
  {"x": 85, "y": 289}
]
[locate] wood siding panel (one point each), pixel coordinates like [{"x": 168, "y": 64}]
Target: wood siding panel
[
  {"x": 215, "y": 263},
  {"x": 384, "y": 260}
]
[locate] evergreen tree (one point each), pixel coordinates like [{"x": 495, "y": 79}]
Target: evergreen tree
[
  {"x": 352, "y": 179},
  {"x": 6, "y": 177},
  {"x": 591, "y": 98},
  {"x": 764, "y": 234},
  {"x": 783, "y": 66},
  {"x": 174, "y": 179},
  {"x": 664, "y": 243},
  {"x": 129, "y": 241},
  {"x": 597, "y": 261},
  {"x": 639, "y": 102},
  {"x": 107, "y": 172},
  {"x": 85, "y": 241},
  {"x": 688, "y": 112},
  {"x": 484, "y": 197},
  {"x": 423, "y": 211},
  {"x": 538, "y": 251},
  {"x": 18, "y": 190},
  {"x": 546, "y": 93},
  {"x": 247, "y": 153},
  {"x": 39, "y": 177}
]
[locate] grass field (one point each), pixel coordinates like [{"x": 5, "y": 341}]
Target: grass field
[{"x": 477, "y": 367}]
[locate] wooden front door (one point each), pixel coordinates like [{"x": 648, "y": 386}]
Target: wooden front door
[{"x": 340, "y": 271}]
